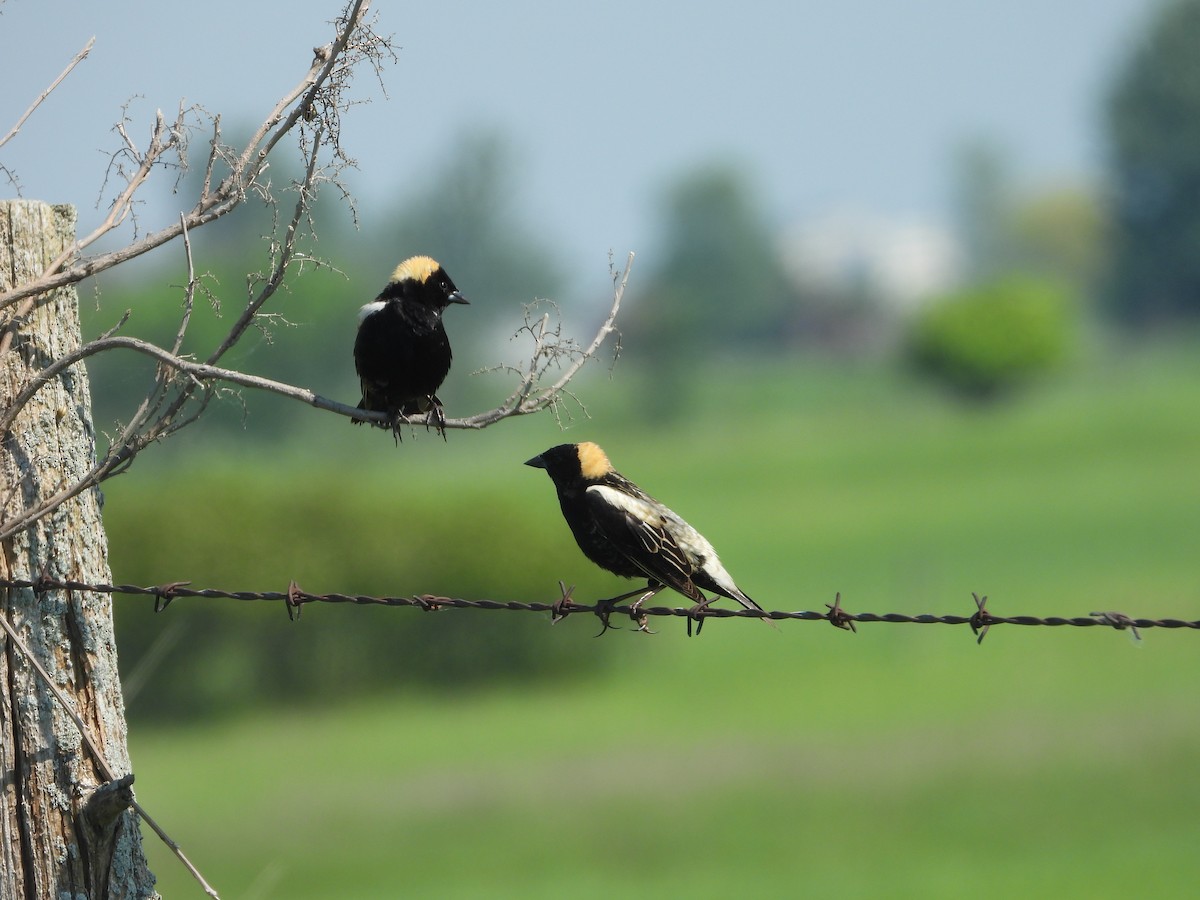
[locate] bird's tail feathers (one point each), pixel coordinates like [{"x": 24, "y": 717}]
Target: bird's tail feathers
[{"x": 747, "y": 602}]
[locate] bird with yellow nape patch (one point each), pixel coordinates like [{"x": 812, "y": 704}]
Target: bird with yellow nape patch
[
  {"x": 621, "y": 528},
  {"x": 402, "y": 353}
]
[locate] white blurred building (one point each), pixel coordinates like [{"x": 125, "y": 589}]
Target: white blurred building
[{"x": 898, "y": 263}]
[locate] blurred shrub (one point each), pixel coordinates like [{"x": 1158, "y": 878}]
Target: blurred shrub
[
  {"x": 253, "y": 530},
  {"x": 987, "y": 340}
]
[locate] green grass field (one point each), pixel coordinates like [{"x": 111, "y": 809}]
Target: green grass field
[{"x": 902, "y": 761}]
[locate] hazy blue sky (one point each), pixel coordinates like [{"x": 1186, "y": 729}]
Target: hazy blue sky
[{"x": 857, "y": 103}]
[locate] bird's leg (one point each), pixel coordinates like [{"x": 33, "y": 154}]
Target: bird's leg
[
  {"x": 563, "y": 606},
  {"x": 604, "y": 607},
  {"x": 395, "y": 418},
  {"x": 635, "y": 609},
  {"x": 436, "y": 415},
  {"x": 697, "y": 613}
]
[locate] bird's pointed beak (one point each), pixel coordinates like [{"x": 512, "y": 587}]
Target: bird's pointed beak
[
  {"x": 457, "y": 297},
  {"x": 537, "y": 462}
]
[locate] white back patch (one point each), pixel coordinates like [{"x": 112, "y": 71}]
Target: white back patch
[
  {"x": 368, "y": 309},
  {"x": 639, "y": 509}
]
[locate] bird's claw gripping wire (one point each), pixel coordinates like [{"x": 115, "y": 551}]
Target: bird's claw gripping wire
[{"x": 436, "y": 416}]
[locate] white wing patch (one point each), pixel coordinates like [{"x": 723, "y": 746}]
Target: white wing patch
[
  {"x": 369, "y": 309},
  {"x": 639, "y": 509},
  {"x": 696, "y": 548}
]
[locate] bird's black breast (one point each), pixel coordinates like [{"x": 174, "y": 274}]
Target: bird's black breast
[
  {"x": 401, "y": 357},
  {"x": 593, "y": 538}
]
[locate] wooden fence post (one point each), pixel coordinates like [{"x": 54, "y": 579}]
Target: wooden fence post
[{"x": 58, "y": 836}]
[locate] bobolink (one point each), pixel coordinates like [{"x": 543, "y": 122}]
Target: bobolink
[
  {"x": 620, "y": 527},
  {"x": 402, "y": 353}
]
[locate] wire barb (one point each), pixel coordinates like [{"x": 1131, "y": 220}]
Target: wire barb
[
  {"x": 292, "y": 601},
  {"x": 166, "y": 593},
  {"x": 427, "y": 602},
  {"x": 838, "y": 617},
  {"x": 981, "y": 619},
  {"x": 1119, "y": 621}
]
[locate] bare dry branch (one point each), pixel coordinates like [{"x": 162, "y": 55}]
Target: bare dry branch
[
  {"x": 149, "y": 424},
  {"x": 233, "y": 189},
  {"x": 179, "y": 395},
  {"x": 547, "y": 351},
  {"x": 184, "y": 386},
  {"x": 79, "y": 57},
  {"x": 189, "y": 292},
  {"x": 518, "y": 403}
]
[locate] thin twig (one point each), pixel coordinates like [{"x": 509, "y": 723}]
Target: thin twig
[
  {"x": 79, "y": 57},
  {"x": 516, "y": 405},
  {"x": 606, "y": 329},
  {"x": 229, "y": 194},
  {"x": 162, "y": 140},
  {"x": 189, "y": 292},
  {"x": 286, "y": 252},
  {"x": 520, "y": 403}
]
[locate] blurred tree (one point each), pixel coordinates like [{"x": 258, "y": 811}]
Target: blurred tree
[
  {"x": 1061, "y": 234},
  {"x": 1153, "y": 124},
  {"x": 467, "y": 216},
  {"x": 985, "y": 341},
  {"x": 719, "y": 285},
  {"x": 1058, "y": 233}
]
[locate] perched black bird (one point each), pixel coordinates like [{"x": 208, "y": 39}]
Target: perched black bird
[
  {"x": 620, "y": 527},
  {"x": 402, "y": 353}
]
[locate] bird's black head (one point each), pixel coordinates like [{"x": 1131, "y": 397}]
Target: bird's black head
[
  {"x": 422, "y": 278},
  {"x": 568, "y": 462}
]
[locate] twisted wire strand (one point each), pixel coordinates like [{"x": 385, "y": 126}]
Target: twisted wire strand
[{"x": 295, "y": 598}]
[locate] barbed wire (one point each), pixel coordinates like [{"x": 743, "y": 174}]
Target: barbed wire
[{"x": 294, "y": 598}]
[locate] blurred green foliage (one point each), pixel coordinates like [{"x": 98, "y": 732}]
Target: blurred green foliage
[
  {"x": 1058, "y": 233},
  {"x": 467, "y": 213},
  {"x": 333, "y": 528},
  {"x": 984, "y": 342},
  {"x": 717, "y": 288},
  {"x": 746, "y": 762}
]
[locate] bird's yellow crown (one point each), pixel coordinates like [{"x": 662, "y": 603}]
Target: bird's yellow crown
[
  {"x": 593, "y": 463},
  {"x": 416, "y": 268}
]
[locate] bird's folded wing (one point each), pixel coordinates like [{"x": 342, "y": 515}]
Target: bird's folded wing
[{"x": 638, "y": 528}]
